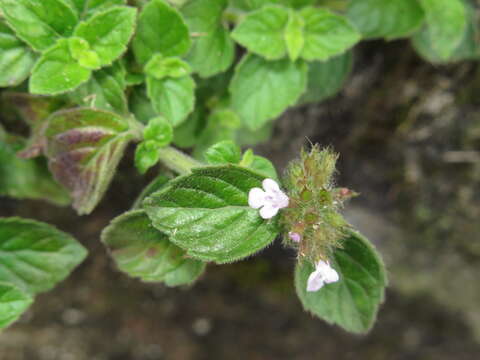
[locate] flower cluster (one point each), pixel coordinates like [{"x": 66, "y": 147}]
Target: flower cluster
[{"x": 311, "y": 216}]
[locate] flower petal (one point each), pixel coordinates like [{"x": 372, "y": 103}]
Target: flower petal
[
  {"x": 331, "y": 276},
  {"x": 268, "y": 211},
  {"x": 256, "y": 198},
  {"x": 315, "y": 281},
  {"x": 270, "y": 185}
]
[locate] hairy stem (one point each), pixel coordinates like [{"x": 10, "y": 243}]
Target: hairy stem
[{"x": 178, "y": 161}]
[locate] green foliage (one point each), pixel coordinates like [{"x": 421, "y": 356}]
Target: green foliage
[
  {"x": 142, "y": 251},
  {"x": 207, "y": 214},
  {"x": 212, "y": 49},
  {"x": 157, "y": 134},
  {"x": 224, "y": 152},
  {"x": 326, "y": 78},
  {"x": 13, "y": 303},
  {"x": 16, "y": 59},
  {"x": 40, "y": 23},
  {"x": 446, "y": 22},
  {"x": 57, "y": 71},
  {"x": 172, "y": 98},
  {"x": 467, "y": 49},
  {"x": 353, "y": 301},
  {"x": 251, "y": 88},
  {"x": 108, "y": 32},
  {"x": 160, "y": 67},
  {"x": 389, "y": 19},
  {"x": 160, "y": 29},
  {"x": 26, "y": 179},
  {"x": 172, "y": 74},
  {"x": 312, "y": 33},
  {"x": 36, "y": 256},
  {"x": 105, "y": 90}
]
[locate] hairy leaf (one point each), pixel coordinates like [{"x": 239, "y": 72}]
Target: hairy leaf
[
  {"x": 84, "y": 147},
  {"x": 262, "y": 32},
  {"x": 13, "y": 303},
  {"x": 36, "y": 256},
  {"x": 39, "y": 23},
  {"x": 105, "y": 90},
  {"x": 262, "y": 90},
  {"x": 142, "y": 251},
  {"x": 353, "y": 301},
  {"x": 26, "y": 179},
  {"x": 213, "y": 50},
  {"x": 326, "y": 34},
  {"x": 172, "y": 98},
  {"x": 109, "y": 32},
  {"x": 206, "y": 213},
  {"x": 16, "y": 59},
  {"x": 160, "y": 29},
  {"x": 57, "y": 71},
  {"x": 224, "y": 152}
]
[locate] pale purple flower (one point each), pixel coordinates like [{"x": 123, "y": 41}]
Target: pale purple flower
[
  {"x": 269, "y": 200},
  {"x": 323, "y": 274},
  {"x": 294, "y": 236}
]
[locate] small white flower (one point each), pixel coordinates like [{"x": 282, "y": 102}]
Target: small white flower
[
  {"x": 270, "y": 199},
  {"x": 323, "y": 274}
]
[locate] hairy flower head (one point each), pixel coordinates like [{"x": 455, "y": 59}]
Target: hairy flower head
[{"x": 313, "y": 212}]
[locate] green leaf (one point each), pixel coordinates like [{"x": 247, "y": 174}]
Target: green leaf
[
  {"x": 159, "y": 130},
  {"x": 468, "y": 49},
  {"x": 353, "y": 301},
  {"x": 84, "y": 147},
  {"x": 264, "y": 166},
  {"x": 206, "y": 213},
  {"x": 224, "y": 152},
  {"x": 39, "y": 23},
  {"x": 161, "y": 67},
  {"x": 57, "y": 71},
  {"x": 262, "y": 32},
  {"x": 144, "y": 252},
  {"x": 294, "y": 35},
  {"x": 446, "y": 25},
  {"x": 140, "y": 105},
  {"x": 325, "y": 79},
  {"x": 105, "y": 90},
  {"x": 16, "y": 59},
  {"x": 108, "y": 32},
  {"x": 80, "y": 51},
  {"x": 147, "y": 155},
  {"x": 326, "y": 34},
  {"x": 262, "y": 90},
  {"x": 36, "y": 256},
  {"x": 172, "y": 98},
  {"x": 390, "y": 19},
  {"x": 160, "y": 29},
  {"x": 26, "y": 179},
  {"x": 88, "y": 7},
  {"x": 213, "y": 51},
  {"x": 13, "y": 303}
]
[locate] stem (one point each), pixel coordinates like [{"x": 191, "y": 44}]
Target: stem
[{"x": 178, "y": 161}]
